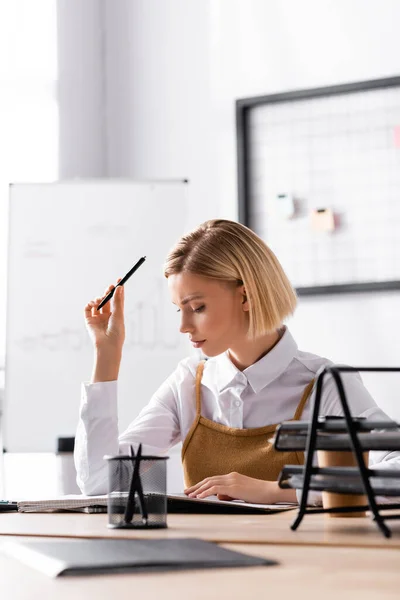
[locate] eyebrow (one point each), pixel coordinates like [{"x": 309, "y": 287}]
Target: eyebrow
[{"x": 191, "y": 297}]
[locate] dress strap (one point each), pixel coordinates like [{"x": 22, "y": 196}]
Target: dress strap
[
  {"x": 304, "y": 398},
  {"x": 199, "y": 375}
]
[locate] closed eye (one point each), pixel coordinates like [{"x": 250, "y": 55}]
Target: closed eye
[{"x": 196, "y": 310}]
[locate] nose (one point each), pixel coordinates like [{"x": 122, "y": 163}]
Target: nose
[{"x": 186, "y": 325}]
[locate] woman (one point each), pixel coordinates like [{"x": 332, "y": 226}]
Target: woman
[{"x": 233, "y": 296}]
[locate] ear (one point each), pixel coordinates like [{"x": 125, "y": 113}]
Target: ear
[{"x": 245, "y": 302}]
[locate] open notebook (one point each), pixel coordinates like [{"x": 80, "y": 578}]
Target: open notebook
[
  {"x": 177, "y": 503},
  {"x": 69, "y": 503}
]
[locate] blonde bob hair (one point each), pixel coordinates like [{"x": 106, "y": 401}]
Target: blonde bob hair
[{"x": 230, "y": 252}]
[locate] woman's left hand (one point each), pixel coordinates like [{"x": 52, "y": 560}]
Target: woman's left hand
[{"x": 236, "y": 487}]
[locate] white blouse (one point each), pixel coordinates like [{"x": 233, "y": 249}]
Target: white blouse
[{"x": 265, "y": 393}]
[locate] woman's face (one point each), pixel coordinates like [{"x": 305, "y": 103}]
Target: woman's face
[{"x": 214, "y": 314}]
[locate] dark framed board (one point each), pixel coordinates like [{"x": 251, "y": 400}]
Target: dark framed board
[{"x": 319, "y": 181}]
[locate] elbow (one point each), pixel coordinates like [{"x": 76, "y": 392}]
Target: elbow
[
  {"x": 91, "y": 482},
  {"x": 90, "y": 478},
  {"x": 92, "y": 486}
]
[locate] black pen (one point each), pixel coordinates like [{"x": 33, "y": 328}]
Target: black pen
[{"x": 123, "y": 280}]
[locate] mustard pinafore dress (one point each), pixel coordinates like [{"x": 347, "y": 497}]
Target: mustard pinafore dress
[{"x": 213, "y": 449}]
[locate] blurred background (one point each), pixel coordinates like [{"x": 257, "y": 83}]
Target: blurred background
[{"x": 147, "y": 89}]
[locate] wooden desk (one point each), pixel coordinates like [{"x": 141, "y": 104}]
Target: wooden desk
[
  {"x": 315, "y": 530},
  {"x": 303, "y": 574}
]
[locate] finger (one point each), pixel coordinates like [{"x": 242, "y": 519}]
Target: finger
[
  {"x": 192, "y": 488},
  {"x": 95, "y": 305},
  {"x": 196, "y": 486},
  {"x": 89, "y": 308},
  {"x": 214, "y": 490},
  {"x": 119, "y": 301},
  {"x": 224, "y": 497},
  {"x": 207, "y": 482},
  {"x": 107, "y": 307},
  {"x": 213, "y": 481}
]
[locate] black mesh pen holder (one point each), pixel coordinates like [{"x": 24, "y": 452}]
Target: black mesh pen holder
[{"x": 137, "y": 492}]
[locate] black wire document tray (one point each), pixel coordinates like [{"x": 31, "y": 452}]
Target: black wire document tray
[
  {"x": 332, "y": 434},
  {"x": 355, "y": 436},
  {"x": 344, "y": 480}
]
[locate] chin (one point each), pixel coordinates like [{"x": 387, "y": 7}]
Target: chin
[{"x": 210, "y": 353}]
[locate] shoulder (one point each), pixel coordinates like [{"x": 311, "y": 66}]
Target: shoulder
[
  {"x": 183, "y": 376},
  {"x": 185, "y": 372},
  {"x": 179, "y": 382},
  {"x": 186, "y": 369},
  {"x": 311, "y": 362},
  {"x": 359, "y": 398}
]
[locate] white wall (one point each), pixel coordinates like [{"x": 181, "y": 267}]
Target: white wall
[
  {"x": 168, "y": 74},
  {"x": 81, "y": 47},
  {"x": 160, "y": 119},
  {"x": 182, "y": 64},
  {"x": 174, "y": 70}
]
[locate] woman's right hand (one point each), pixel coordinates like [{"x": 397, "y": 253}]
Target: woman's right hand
[{"x": 106, "y": 326}]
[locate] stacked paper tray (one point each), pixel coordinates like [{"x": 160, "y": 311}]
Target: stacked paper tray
[
  {"x": 333, "y": 435},
  {"x": 342, "y": 480}
]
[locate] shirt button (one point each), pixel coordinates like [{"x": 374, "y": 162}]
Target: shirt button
[{"x": 238, "y": 403}]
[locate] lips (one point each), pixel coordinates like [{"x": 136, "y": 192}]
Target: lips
[{"x": 197, "y": 344}]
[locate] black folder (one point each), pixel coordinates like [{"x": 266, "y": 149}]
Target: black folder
[
  {"x": 181, "y": 504},
  {"x": 97, "y": 556}
]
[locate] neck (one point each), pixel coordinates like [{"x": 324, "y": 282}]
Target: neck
[{"x": 248, "y": 352}]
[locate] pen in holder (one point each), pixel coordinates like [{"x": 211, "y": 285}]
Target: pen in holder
[{"x": 137, "y": 485}]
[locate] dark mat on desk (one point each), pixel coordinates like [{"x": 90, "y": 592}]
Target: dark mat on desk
[{"x": 87, "y": 557}]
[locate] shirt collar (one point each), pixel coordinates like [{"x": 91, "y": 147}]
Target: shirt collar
[{"x": 261, "y": 373}]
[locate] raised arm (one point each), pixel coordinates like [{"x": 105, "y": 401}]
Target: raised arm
[
  {"x": 97, "y": 432},
  {"x": 157, "y": 426}
]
